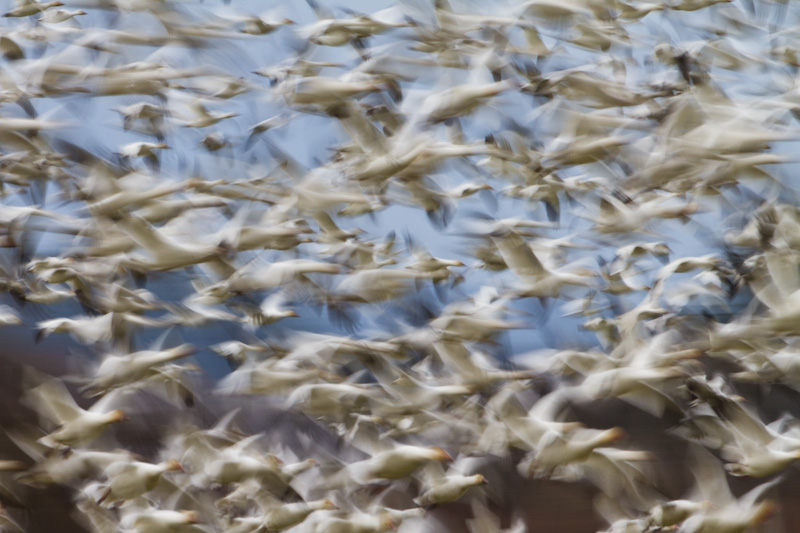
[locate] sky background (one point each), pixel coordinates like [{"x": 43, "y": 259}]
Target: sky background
[{"x": 95, "y": 125}]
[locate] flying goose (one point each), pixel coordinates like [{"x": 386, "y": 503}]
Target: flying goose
[
  {"x": 280, "y": 516},
  {"x": 131, "y": 479},
  {"x": 28, "y": 8},
  {"x": 395, "y": 462},
  {"x": 74, "y": 425},
  {"x": 727, "y": 514},
  {"x": 444, "y": 487},
  {"x": 535, "y": 280},
  {"x": 117, "y": 370}
]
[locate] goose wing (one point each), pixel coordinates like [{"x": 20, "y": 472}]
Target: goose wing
[
  {"x": 519, "y": 256},
  {"x": 50, "y": 398}
]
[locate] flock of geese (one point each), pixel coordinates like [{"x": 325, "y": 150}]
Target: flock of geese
[{"x": 268, "y": 197}]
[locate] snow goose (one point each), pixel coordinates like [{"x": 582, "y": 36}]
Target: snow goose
[
  {"x": 535, "y": 280},
  {"x": 257, "y": 276},
  {"x": 205, "y": 118},
  {"x": 74, "y": 425},
  {"x": 163, "y": 252},
  {"x": 130, "y": 479},
  {"x": 120, "y": 370},
  {"x": 145, "y": 150},
  {"x": 444, "y": 487},
  {"x": 56, "y": 16},
  {"x": 281, "y": 516},
  {"x": 152, "y": 520},
  {"x": 60, "y": 468},
  {"x": 28, "y": 8},
  {"x": 236, "y": 463},
  {"x": 462, "y": 99},
  {"x": 93, "y": 330},
  {"x": 727, "y": 513},
  {"x": 9, "y": 317},
  {"x": 331, "y": 31},
  {"x": 556, "y": 450},
  {"x": 391, "y": 461},
  {"x": 270, "y": 310}
]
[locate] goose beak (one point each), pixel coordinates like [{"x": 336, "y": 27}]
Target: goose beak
[
  {"x": 442, "y": 455},
  {"x": 329, "y": 505},
  {"x": 188, "y": 349},
  {"x": 615, "y": 434}
]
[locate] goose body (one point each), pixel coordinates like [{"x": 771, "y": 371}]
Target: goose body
[
  {"x": 28, "y": 8},
  {"x": 397, "y": 463},
  {"x": 449, "y": 489},
  {"x": 119, "y": 370},
  {"x": 129, "y": 480}
]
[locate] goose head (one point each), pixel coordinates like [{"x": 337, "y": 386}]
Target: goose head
[
  {"x": 191, "y": 517},
  {"x": 326, "y": 505},
  {"x": 440, "y": 455},
  {"x": 614, "y": 434},
  {"x": 172, "y": 465},
  {"x": 117, "y": 415},
  {"x": 387, "y": 523}
]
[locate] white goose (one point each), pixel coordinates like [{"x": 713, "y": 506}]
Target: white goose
[
  {"x": 282, "y": 516},
  {"x": 164, "y": 253},
  {"x": 61, "y": 469},
  {"x": 130, "y": 479},
  {"x": 154, "y": 520},
  {"x": 556, "y": 450},
  {"x": 260, "y": 277},
  {"x": 445, "y": 488},
  {"x": 462, "y": 99},
  {"x": 205, "y": 118},
  {"x": 28, "y": 8},
  {"x": 93, "y": 330},
  {"x": 74, "y": 425},
  {"x": 119, "y": 370},
  {"x": 57, "y": 16},
  {"x": 535, "y": 280},
  {"x": 9, "y": 317},
  {"x": 727, "y": 514},
  {"x": 395, "y": 462}
]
